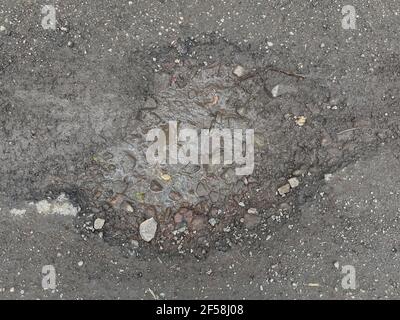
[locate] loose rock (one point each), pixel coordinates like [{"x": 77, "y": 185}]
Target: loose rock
[
  {"x": 284, "y": 189},
  {"x": 148, "y": 229},
  {"x": 239, "y": 71},
  {"x": 301, "y": 121},
  {"x": 166, "y": 177},
  {"x": 294, "y": 182},
  {"x": 98, "y": 223},
  {"x": 155, "y": 186},
  {"x": 212, "y": 222}
]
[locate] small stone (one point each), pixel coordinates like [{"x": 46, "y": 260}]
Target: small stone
[
  {"x": 301, "y": 121},
  {"x": 252, "y": 211},
  {"x": 284, "y": 189},
  {"x": 147, "y": 229},
  {"x": 275, "y": 91},
  {"x": 135, "y": 244},
  {"x": 155, "y": 186},
  {"x": 270, "y": 44},
  {"x": 294, "y": 182},
  {"x": 2, "y": 28},
  {"x": 175, "y": 196},
  {"x": 166, "y": 177},
  {"x": 70, "y": 44},
  {"x": 128, "y": 207},
  {"x": 239, "y": 71},
  {"x": 98, "y": 223},
  {"x": 336, "y": 265},
  {"x": 80, "y": 263},
  {"x": 212, "y": 222},
  {"x": 328, "y": 177}
]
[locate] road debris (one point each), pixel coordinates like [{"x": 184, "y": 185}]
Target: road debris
[
  {"x": 212, "y": 222},
  {"x": 294, "y": 182},
  {"x": 239, "y": 71},
  {"x": 148, "y": 229},
  {"x": 284, "y": 189},
  {"x": 98, "y": 223},
  {"x": 300, "y": 120}
]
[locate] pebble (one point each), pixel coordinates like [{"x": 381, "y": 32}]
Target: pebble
[
  {"x": 328, "y": 177},
  {"x": 2, "y": 28},
  {"x": 80, "y": 263},
  {"x": 294, "y": 182},
  {"x": 147, "y": 229},
  {"x": 135, "y": 244},
  {"x": 252, "y": 211},
  {"x": 301, "y": 121},
  {"x": 98, "y": 223},
  {"x": 175, "y": 196},
  {"x": 212, "y": 222},
  {"x": 239, "y": 71},
  {"x": 284, "y": 189},
  {"x": 166, "y": 177},
  {"x": 155, "y": 186},
  {"x": 275, "y": 91},
  {"x": 128, "y": 207}
]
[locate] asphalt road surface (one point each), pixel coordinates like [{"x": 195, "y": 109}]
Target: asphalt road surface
[{"x": 76, "y": 99}]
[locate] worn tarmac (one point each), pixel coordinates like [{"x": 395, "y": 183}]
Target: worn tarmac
[{"x": 70, "y": 96}]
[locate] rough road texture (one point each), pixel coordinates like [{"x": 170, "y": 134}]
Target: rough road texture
[{"x": 76, "y": 103}]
